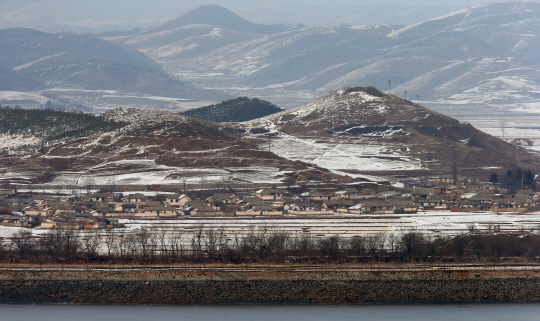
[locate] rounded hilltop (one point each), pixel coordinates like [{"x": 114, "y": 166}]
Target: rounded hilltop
[{"x": 362, "y": 129}]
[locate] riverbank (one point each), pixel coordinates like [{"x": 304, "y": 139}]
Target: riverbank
[{"x": 188, "y": 288}]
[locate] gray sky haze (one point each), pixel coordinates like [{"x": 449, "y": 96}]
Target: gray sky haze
[{"x": 102, "y": 15}]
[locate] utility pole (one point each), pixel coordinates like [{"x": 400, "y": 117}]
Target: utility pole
[
  {"x": 389, "y": 82},
  {"x": 405, "y": 92},
  {"x": 454, "y": 164},
  {"x": 418, "y": 98}
]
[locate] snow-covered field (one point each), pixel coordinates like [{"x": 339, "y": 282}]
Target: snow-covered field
[
  {"x": 146, "y": 172},
  {"x": 436, "y": 223},
  {"x": 100, "y": 101},
  {"x": 341, "y": 155},
  {"x": 432, "y": 222},
  {"x": 18, "y": 95},
  {"x": 13, "y": 141}
]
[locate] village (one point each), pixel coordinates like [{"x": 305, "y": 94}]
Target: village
[{"x": 103, "y": 210}]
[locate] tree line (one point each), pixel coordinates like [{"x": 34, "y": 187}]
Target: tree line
[
  {"x": 212, "y": 244},
  {"x": 53, "y": 124}
]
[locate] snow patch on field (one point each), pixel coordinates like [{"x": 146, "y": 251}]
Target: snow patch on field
[
  {"x": 14, "y": 141},
  {"x": 342, "y": 156},
  {"x": 432, "y": 222},
  {"x": 17, "y": 95},
  {"x": 147, "y": 172}
]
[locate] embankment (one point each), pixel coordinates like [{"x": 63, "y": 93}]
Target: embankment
[{"x": 180, "y": 287}]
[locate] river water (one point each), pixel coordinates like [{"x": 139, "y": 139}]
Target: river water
[{"x": 434, "y": 312}]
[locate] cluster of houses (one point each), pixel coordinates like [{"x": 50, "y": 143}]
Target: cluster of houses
[{"x": 102, "y": 210}]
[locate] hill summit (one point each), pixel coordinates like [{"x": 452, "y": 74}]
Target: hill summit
[
  {"x": 219, "y": 16},
  {"x": 234, "y": 110},
  {"x": 362, "y": 130}
]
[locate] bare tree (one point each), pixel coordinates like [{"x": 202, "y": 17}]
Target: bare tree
[
  {"x": 121, "y": 245},
  {"x": 197, "y": 241},
  {"x": 213, "y": 241},
  {"x": 176, "y": 245},
  {"x": 251, "y": 244},
  {"x": 143, "y": 239},
  {"x": 72, "y": 242},
  {"x": 393, "y": 241},
  {"x": 301, "y": 245},
  {"x": 330, "y": 247},
  {"x": 91, "y": 243},
  {"x": 357, "y": 246},
  {"x": 372, "y": 244},
  {"x": 460, "y": 244},
  {"x": 503, "y": 125},
  {"x": 161, "y": 237},
  {"x": 89, "y": 185},
  {"x": 111, "y": 241},
  {"x": 380, "y": 239},
  {"x": 22, "y": 241},
  {"x": 131, "y": 245},
  {"x": 183, "y": 177},
  {"x": 412, "y": 243},
  {"x": 60, "y": 243},
  {"x": 203, "y": 181},
  {"x": 277, "y": 243}
]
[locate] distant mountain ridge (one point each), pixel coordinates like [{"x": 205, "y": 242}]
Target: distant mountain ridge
[
  {"x": 234, "y": 110},
  {"x": 36, "y": 60},
  {"x": 486, "y": 54},
  {"x": 22, "y": 48},
  {"x": 218, "y": 16}
]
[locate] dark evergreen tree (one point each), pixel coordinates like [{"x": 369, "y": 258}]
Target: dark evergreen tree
[{"x": 234, "y": 110}]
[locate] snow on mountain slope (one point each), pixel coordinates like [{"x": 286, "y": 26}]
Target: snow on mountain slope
[
  {"x": 156, "y": 148},
  {"x": 362, "y": 130},
  {"x": 439, "y": 59}
]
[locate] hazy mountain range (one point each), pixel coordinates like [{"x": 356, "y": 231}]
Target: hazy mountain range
[
  {"x": 483, "y": 54},
  {"x": 67, "y": 63},
  {"x": 101, "y": 15},
  {"x": 480, "y": 56}
]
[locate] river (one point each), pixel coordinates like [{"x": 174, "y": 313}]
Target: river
[{"x": 431, "y": 312}]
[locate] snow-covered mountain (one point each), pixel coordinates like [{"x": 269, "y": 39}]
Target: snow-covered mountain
[{"x": 484, "y": 54}]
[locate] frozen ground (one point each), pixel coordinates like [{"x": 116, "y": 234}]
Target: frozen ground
[
  {"x": 436, "y": 223},
  {"x": 145, "y": 172},
  {"x": 18, "y": 95},
  {"x": 432, "y": 222},
  {"x": 13, "y": 141},
  {"x": 99, "y": 101},
  {"x": 341, "y": 154}
]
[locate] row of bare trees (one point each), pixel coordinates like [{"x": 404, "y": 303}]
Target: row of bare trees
[{"x": 213, "y": 244}]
